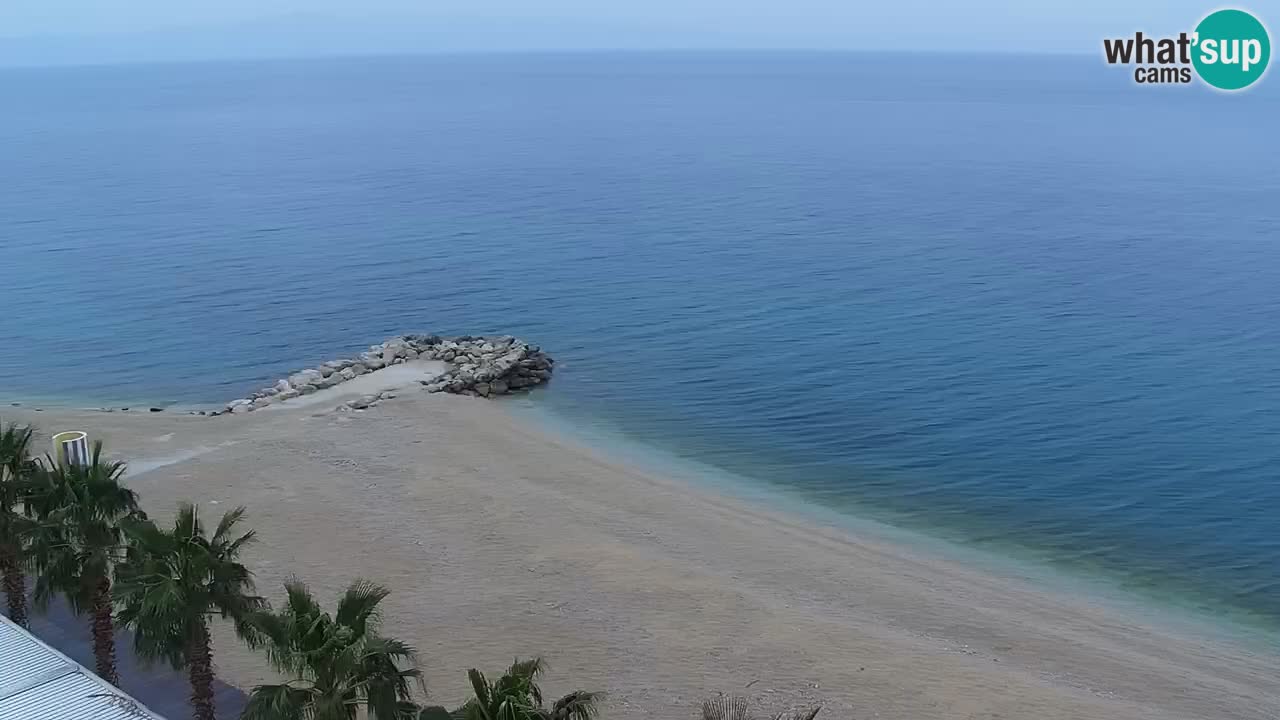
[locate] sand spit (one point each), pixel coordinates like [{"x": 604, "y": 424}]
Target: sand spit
[{"x": 463, "y": 365}]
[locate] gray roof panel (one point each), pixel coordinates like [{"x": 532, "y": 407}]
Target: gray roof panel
[{"x": 40, "y": 683}]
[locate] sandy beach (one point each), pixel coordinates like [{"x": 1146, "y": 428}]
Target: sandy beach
[{"x": 501, "y": 539}]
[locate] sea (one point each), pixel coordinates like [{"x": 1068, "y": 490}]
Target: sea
[{"x": 1016, "y": 303}]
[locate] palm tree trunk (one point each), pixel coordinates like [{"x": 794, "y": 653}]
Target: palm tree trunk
[
  {"x": 104, "y": 640},
  {"x": 15, "y": 585},
  {"x": 200, "y": 670}
]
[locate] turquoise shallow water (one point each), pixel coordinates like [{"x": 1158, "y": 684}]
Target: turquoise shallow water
[{"x": 1019, "y": 303}]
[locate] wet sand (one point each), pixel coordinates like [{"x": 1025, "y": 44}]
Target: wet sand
[{"x": 499, "y": 538}]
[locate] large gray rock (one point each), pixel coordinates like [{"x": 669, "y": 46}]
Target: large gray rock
[
  {"x": 302, "y": 379},
  {"x": 363, "y": 402},
  {"x": 347, "y": 373}
]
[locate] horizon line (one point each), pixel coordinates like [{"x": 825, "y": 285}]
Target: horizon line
[{"x": 494, "y": 52}]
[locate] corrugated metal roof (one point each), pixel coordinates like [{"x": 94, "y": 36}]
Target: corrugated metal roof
[{"x": 40, "y": 683}]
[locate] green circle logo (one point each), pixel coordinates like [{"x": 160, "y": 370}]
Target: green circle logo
[{"x": 1232, "y": 49}]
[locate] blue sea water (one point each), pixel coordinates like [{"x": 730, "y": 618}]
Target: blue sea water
[{"x": 1018, "y": 302}]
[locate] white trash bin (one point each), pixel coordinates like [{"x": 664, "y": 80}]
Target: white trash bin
[{"x": 71, "y": 448}]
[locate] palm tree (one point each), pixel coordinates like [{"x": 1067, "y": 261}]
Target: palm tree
[
  {"x": 516, "y": 696},
  {"x": 732, "y": 707},
  {"x": 336, "y": 664},
  {"x": 15, "y": 468},
  {"x": 172, "y": 581},
  {"x": 76, "y": 541}
]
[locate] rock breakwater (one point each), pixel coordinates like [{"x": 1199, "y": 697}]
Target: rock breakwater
[{"x": 483, "y": 366}]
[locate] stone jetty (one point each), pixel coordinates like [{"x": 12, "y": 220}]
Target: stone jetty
[{"x": 485, "y": 366}]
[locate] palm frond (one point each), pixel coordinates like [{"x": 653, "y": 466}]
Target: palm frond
[
  {"x": 234, "y": 547},
  {"x": 15, "y": 451},
  {"x": 808, "y": 713},
  {"x": 528, "y": 669},
  {"x": 519, "y": 680},
  {"x": 299, "y": 602},
  {"x": 379, "y": 646},
  {"x": 577, "y": 705},
  {"x": 186, "y": 523},
  {"x": 471, "y": 710},
  {"x": 388, "y": 674},
  {"x": 358, "y": 606},
  {"x": 480, "y": 686},
  {"x": 725, "y": 707},
  {"x": 278, "y": 702},
  {"x": 229, "y": 520}
]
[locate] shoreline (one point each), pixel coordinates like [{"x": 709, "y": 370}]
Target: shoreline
[
  {"x": 1178, "y": 608},
  {"x": 499, "y": 536}
]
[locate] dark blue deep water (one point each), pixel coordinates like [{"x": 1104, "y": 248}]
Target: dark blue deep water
[{"x": 1015, "y": 301}]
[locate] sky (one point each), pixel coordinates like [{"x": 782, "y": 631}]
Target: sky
[{"x": 73, "y": 31}]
